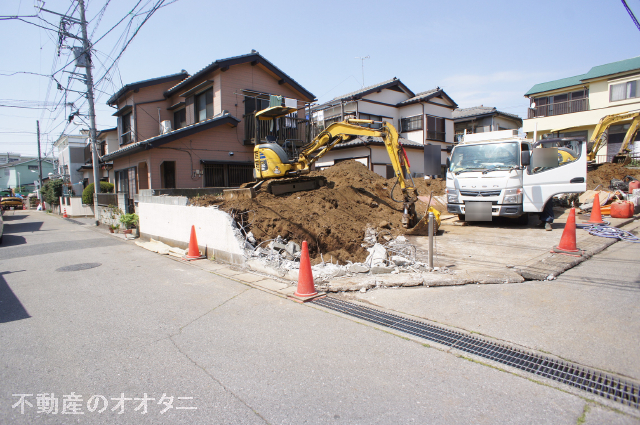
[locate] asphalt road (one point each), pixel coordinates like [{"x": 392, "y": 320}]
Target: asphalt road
[{"x": 116, "y": 334}]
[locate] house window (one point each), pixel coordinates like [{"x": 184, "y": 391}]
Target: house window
[
  {"x": 623, "y": 91},
  {"x": 227, "y": 175},
  {"x": 411, "y": 124},
  {"x": 179, "y": 118},
  {"x": 168, "y": 174},
  {"x": 204, "y": 105},
  {"x": 373, "y": 118},
  {"x": 32, "y": 167},
  {"x": 125, "y": 136},
  {"x": 435, "y": 129}
]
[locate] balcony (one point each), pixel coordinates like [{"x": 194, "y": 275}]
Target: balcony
[
  {"x": 284, "y": 128},
  {"x": 436, "y": 135},
  {"x": 560, "y": 108}
]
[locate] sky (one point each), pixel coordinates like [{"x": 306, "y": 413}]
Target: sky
[{"x": 481, "y": 53}]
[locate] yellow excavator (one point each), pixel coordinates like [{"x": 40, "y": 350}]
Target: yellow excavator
[
  {"x": 283, "y": 169},
  {"x": 599, "y": 137}
]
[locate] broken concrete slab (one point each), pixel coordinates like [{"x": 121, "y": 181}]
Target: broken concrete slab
[
  {"x": 352, "y": 283},
  {"x": 381, "y": 269},
  {"x": 444, "y": 279},
  {"x": 358, "y": 268},
  {"x": 484, "y": 276},
  {"x": 401, "y": 279}
]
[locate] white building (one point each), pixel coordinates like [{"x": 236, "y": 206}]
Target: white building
[{"x": 421, "y": 119}]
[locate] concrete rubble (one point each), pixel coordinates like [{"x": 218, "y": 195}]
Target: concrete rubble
[{"x": 391, "y": 264}]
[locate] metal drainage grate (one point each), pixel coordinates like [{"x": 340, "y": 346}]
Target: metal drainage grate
[
  {"x": 75, "y": 221},
  {"x": 78, "y": 267},
  {"x": 568, "y": 373}
]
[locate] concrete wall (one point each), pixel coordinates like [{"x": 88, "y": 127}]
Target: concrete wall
[
  {"x": 171, "y": 224},
  {"x": 75, "y": 207}
]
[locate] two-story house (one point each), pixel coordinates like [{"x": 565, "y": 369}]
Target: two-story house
[
  {"x": 193, "y": 131},
  {"x": 573, "y": 106},
  {"x": 421, "y": 119},
  {"x": 71, "y": 158},
  {"x": 480, "y": 119},
  {"x": 106, "y": 141}
]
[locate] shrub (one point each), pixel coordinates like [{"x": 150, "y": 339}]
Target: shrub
[
  {"x": 129, "y": 220},
  {"x": 52, "y": 191},
  {"x": 87, "y": 193}
]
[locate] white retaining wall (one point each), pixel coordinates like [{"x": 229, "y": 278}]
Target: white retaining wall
[{"x": 171, "y": 224}]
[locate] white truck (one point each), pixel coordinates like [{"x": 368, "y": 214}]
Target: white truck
[{"x": 499, "y": 174}]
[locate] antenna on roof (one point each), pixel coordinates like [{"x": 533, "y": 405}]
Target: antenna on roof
[{"x": 362, "y": 58}]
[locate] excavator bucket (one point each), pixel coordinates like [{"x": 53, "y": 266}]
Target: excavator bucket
[{"x": 422, "y": 227}]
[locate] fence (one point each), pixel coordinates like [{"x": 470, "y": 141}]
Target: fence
[{"x": 106, "y": 199}]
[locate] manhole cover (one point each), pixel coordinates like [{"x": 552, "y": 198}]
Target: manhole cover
[{"x": 77, "y": 267}]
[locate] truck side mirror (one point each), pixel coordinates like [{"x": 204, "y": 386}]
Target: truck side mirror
[
  {"x": 525, "y": 158},
  {"x": 448, "y": 163}
]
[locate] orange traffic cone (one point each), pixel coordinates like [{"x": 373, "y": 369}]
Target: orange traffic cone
[
  {"x": 65, "y": 213},
  {"x": 306, "y": 289},
  {"x": 596, "y": 214},
  {"x": 568, "y": 239},
  {"x": 194, "y": 253}
]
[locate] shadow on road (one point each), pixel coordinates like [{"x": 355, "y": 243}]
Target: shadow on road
[
  {"x": 11, "y": 216},
  {"x": 12, "y": 240},
  {"x": 11, "y": 309},
  {"x": 33, "y": 226}
]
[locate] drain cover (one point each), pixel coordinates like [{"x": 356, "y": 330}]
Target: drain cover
[{"x": 77, "y": 267}]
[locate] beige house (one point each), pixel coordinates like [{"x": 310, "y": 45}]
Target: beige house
[
  {"x": 571, "y": 107},
  {"x": 197, "y": 131}
]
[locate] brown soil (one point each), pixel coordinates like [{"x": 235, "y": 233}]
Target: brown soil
[
  {"x": 605, "y": 172},
  {"x": 331, "y": 219}
]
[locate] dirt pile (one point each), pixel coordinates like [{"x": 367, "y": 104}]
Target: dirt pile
[
  {"x": 331, "y": 219},
  {"x": 605, "y": 172}
]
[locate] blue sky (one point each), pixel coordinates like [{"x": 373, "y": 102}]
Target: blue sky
[{"x": 486, "y": 53}]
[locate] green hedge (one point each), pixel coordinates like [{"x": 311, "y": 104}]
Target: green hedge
[{"x": 87, "y": 193}]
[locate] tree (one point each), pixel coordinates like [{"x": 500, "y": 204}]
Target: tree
[
  {"x": 87, "y": 193},
  {"x": 52, "y": 191}
]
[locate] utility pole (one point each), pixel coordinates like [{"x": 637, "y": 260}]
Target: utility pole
[
  {"x": 39, "y": 164},
  {"x": 92, "y": 113}
]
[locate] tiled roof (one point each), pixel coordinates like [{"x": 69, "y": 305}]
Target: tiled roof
[
  {"x": 146, "y": 83},
  {"x": 235, "y": 60},
  {"x": 479, "y": 110},
  {"x": 426, "y": 95},
  {"x": 555, "y": 85},
  {"x": 224, "y": 118},
  {"x": 366, "y": 90},
  {"x": 613, "y": 68},
  {"x": 595, "y": 72}
]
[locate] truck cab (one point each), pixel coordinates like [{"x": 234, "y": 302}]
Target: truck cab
[{"x": 512, "y": 176}]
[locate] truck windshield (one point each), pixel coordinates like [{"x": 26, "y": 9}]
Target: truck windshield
[{"x": 490, "y": 156}]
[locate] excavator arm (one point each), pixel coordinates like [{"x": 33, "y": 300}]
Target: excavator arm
[
  {"x": 598, "y": 139},
  {"x": 271, "y": 162}
]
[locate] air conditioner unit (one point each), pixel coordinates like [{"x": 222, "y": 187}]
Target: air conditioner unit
[{"x": 165, "y": 126}]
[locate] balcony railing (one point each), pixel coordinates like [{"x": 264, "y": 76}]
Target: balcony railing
[
  {"x": 436, "y": 135},
  {"x": 560, "y": 108},
  {"x": 284, "y": 128}
]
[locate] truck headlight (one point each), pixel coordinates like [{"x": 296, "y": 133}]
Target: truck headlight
[
  {"x": 452, "y": 196},
  {"x": 512, "y": 196}
]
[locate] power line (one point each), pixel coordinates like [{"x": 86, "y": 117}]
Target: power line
[{"x": 633, "y": 17}]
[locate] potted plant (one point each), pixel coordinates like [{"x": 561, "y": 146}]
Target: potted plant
[
  {"x": 129, "y": 221},
  {"x": 113, "y": 228}
]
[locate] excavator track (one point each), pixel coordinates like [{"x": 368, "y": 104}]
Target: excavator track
[{"x": 296, "y": 184}]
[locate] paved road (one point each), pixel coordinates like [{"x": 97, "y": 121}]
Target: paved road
[{"x": 143, "y": 330}]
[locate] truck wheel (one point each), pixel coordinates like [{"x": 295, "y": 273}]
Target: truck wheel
[{"x": 461, "y": 217}]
